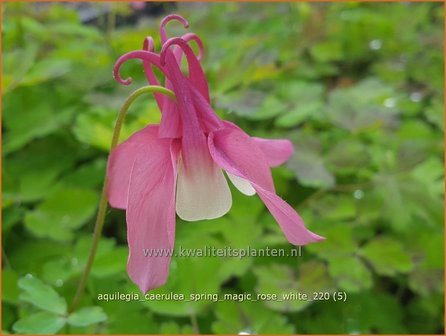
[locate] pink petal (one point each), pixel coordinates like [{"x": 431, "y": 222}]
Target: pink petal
[
  {"x": 170, "y": 125},
  {"x": 241, "y": 155},
  {"x": 120, "y": 164},
  {"x": 234, "y": 151},
  {"x": 277, "y": 151},
  {"x": 151, "y": 213},
  {"x": 289, "y": 220}
]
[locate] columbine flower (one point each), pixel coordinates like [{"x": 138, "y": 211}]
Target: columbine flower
[{"x": 178, "y": 166}]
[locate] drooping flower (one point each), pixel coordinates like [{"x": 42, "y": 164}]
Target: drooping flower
[{"x": 179, "y": 166}]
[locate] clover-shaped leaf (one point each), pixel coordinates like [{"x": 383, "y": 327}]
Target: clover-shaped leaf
[
  {"x": 42, "y": 296},
  {"x": 87, "y": 316}
]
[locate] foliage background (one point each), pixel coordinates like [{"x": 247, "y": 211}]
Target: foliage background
[{"x": 357, "y": 87}]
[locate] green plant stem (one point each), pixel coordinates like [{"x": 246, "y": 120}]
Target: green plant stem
[
  {"x": 103, "y": 200},
  {"x": 194, "y": 321}
]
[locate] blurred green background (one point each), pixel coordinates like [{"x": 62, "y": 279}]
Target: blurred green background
[{"x": 357, "y": 87}]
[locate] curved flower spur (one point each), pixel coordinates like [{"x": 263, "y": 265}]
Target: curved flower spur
[{"x": 178, "y": 165}]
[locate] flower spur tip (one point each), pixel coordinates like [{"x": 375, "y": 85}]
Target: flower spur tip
[
  {"x": 148, "y": 44},
  {"x": 127, "y": 81},
  {"x": 194, "y": 37},
  {"x": 120, "y": 80},
  {"x": 175, "y": 17},
  {"x": 144, "y": 55},
  {"x": 166, "y": 20}
]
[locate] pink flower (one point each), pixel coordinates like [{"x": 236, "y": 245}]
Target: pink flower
[
  {"x": 178, "y": 166},
  {"x": 138, "y": 4}
]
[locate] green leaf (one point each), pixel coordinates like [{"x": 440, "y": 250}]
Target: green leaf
[
  {"x": 435, "y": 114},
  {"x": 30, "y": 255},
  {"x": 125, "y": 317},
  {"x": 387, "y": 256},
  {"x": 45, "y": 70},
  {"x": 431, "y": 174},
  {"x": 39, "y": 323},
  {"x": 395, "y": 204},
  {"x": 282, "y": 281},
  {"x": 425, "y": 314},
  {"x": 86, "y": 316},
  {"x": 61, "y": 213},
  {"x": 252, "y": 104},
  {"x": 299, "y": 114},
  {"x": 58, "y": 270},
  {"x": 11, "y": 216},
  {"x": 303, "y": 102},
  {"x": 8, "y": 318},
  {"x": 248, "y": 317},
  {"x": 363, "y": 313},
  {"x": 309, "y": 166},
  {"x": 379, "y": 311},
  {"x": 239, "y": 208},
  {"x": 185, "y": 274},
  {"x": 339, "y": 242},
  {"x": 110, "y": 259},
  {"x": 15, "y": 64},
  {"x": 346, "y": 156},
  {"x": 196, "y": 233},
  {"x": 171, "y": 328},
  {"x": 270, "y": 107},
  {"x": 83, "y": 244},
  {"x": 350, "y": 274},
  {"x": 327, "y": 51},
  {"x": 89, "y": 175},
  {"x": 38, "y": 117},
  {"x": 48, "y": 159},
  {"x": 427, "y": 281},
  {"x": 335, "y": 208},
  {"x": 41, "y": 295},
  {"x": 95, "y": 127},
  {"x": 71, "y": 29},
  {"x": 361, "y": 106},
  {"x": 10, "y": 288},
  {"x": 111, "y": 263}
]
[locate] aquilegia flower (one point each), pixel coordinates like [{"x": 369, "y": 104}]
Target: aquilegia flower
[{"x": 179, "y": 165}]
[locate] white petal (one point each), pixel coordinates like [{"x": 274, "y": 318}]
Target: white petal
[
  {"x": 242, "y": 185},
  {"x": 202, "y": 194}
]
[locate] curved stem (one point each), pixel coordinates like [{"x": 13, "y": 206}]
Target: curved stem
[{"x": 103, "y": 200}]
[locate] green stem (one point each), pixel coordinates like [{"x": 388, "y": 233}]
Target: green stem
[
  {"x": 103, "y": 201},
  {"x": 194, "y": 321}
]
